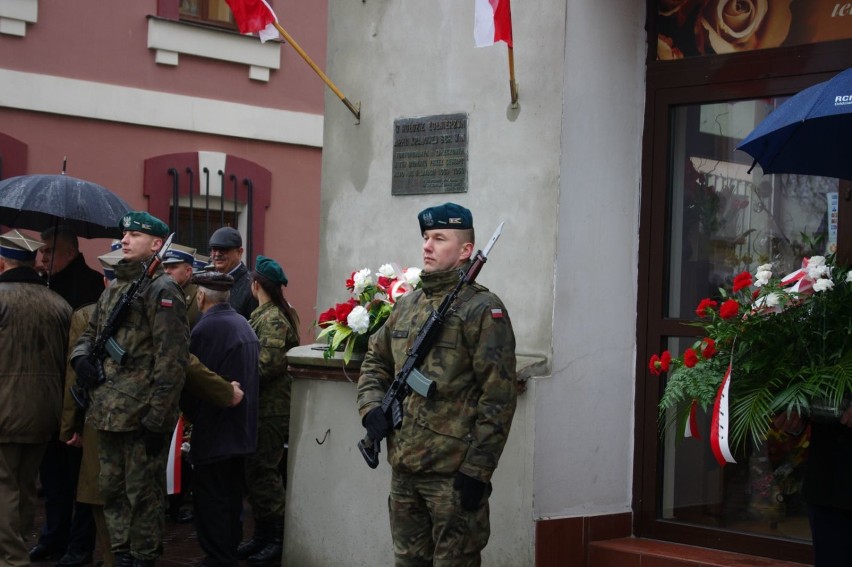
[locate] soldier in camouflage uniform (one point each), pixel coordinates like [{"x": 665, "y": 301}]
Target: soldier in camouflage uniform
[
  {"x": 277, "y": 326},
  {"x": 444, "y": 455},
  {"x": 136, "y": 409}
]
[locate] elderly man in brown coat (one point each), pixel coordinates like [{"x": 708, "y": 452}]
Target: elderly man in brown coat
[{"x": 33, "y": 340}]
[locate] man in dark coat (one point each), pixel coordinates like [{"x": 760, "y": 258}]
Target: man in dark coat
[
  {"x": 221, "y": 438},
  {"x": 68, "y": 273},
  {"x": 34, "y": 325},
  {"x": 69, "y": 527},
  {"x": 226, "y": 252}
]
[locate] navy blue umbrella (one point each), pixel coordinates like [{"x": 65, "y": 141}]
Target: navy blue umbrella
[
  {"x": 38, "y": 202},
  {"x": 809, "y": 134}
]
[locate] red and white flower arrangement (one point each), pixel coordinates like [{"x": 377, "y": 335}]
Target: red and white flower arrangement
[{"x": 371, "y": 301}]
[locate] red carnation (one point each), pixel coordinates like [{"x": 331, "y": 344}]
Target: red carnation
[
  {"x": 385, "y": 283},
  {"x": 665, "y": 361},
  {"x": 704, "y": 305},
  {"x": 690, "y": 359},
  {"x": 654, "y": 365},
  {"x": 350, "y": 282},
  {"x": 742, "y": 280},
  {"x": 729, "y": 309},
  {"x": 342, "y": 310},
  {"x": 708, "y": 347},
  {"x": 327, "y": 317}
]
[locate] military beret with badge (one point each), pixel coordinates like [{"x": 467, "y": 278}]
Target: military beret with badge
[
  {"x": 145, "y": 222},
  {"x": 448, "y": 215}
]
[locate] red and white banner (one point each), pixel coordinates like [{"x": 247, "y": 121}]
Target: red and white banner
[
  {"x": 492, "y": 22},
  {"x": 719, "y": 424},
  {"x": 254, "y": 16},
  {"x": 173, "y": 467},
  {"x": 690, "y": 429}
]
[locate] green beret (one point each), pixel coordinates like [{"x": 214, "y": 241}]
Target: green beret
[
  {"x": 271, "y": 269},
  {"x": 448, "y": 215},
  {"x": 142, "y": 221}
]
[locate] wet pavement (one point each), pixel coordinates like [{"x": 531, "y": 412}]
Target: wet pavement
[{"x": 180, "y": 543}]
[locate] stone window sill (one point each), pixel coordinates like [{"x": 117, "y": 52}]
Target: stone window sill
[{"x": 169, "y": 39}]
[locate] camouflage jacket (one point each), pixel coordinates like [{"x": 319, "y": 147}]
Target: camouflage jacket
[
  {"x": 276, "y": 338},
  {"x": 472, "y": 363},
  {"x": 144, "y": 391}
]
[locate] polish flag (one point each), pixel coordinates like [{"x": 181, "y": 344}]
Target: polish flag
[
  {"x": 719, "y": 424},
  {"x": 173, "y": 466},
  {"x": 691, "y": 426},
  {"x": 492, "y": 22},
  {"x": 254, "y": 16}
]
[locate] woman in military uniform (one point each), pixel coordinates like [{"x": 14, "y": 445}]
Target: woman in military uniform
[{"x": 277, "y": 327}]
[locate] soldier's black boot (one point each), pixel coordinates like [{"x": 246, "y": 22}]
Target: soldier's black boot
[
  {"x": 123, "y": 559},
  {"x": 271, "y": 553},
  {"x": 262, "y": 536}
]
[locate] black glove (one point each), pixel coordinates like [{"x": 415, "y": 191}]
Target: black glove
[
  {"x": 154, "y": 441},
  {"x": 377, "y": 424},
  {"x": 86, "y": 371},
  {"x": 471, "y": 490}
]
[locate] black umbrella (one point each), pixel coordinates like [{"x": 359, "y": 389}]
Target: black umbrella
[{"x": 38, "y": 202}]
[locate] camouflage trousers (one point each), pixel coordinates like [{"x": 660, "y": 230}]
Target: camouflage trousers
[
  {"x": 264, "y": 483},
  {"x": 430, "y": 527},
  {"x": 133, "y": 486}
]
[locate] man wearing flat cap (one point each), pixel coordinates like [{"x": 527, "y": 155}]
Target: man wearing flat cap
[
  {"x": 226, "y": 252},
  {"x": 136, "y": 408},
  {"x": 221, "y": 438},
  {"x": 443, "y": 457},
  {"x": 34, "y": 325}
]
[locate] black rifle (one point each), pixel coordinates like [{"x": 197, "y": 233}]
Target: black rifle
[
  {"x": 105, "y": 343},
  {"x": 409, "y": 378}
]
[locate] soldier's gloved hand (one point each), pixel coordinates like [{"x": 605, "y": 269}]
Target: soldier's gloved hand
[
  {"x": 377, "y": 424},
  {"x": 471, "y": 490},
  {"x": 154, "y": 441},
  {"x": 85, "y": 370}
]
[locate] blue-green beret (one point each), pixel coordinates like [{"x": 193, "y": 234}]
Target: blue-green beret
[
  {"x": 448, "y": 215},
  {"x": 271, "y": 269},
  {"x": 142, "y": 221}
]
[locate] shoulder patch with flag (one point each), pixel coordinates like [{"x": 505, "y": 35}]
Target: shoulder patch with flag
[
  {"x": 496, "y": 313},
  {"x": 166, "y": 302}
]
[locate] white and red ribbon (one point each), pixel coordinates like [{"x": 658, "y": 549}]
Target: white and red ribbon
[
  {"x": 690, "y": 428},
  {"x": 719, "y": 423},
  {"x": 173, "y": 467}
]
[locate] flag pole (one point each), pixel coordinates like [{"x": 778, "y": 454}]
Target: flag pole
[
  {"x": 513, "y": 85},
  {"x": 353, "y": 108}
]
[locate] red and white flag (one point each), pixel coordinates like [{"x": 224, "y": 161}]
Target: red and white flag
[
  {"x": 690, "y": 429},
  {"x": 254, "y": 16},
  {"x": 492, "y": 22},
  {"x": 173, "y": 467},
  {"x": 719, "y": 424}
]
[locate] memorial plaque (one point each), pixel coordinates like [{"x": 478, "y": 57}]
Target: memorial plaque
[{"x": 430, "y": 155}]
